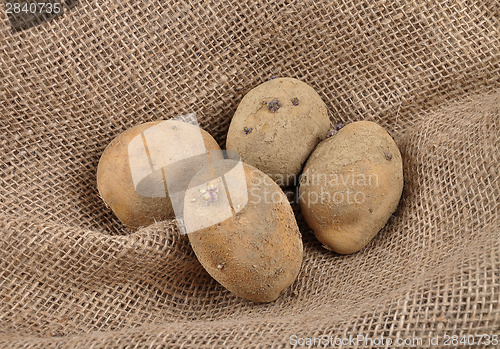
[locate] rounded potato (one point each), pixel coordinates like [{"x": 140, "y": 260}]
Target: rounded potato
[
  {"x": 277, "y": 125},
  {"x": 131, "y": 174},
  {"x": 351, "y": 185},
  {"x": 256, "y": 253}
]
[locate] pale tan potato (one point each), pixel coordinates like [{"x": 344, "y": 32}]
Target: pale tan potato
[
  {"x": 145, "y": 200},
  {"x": 256, "y": 252},
  {"x": 351, "y": 185},
  {"x": 276, "y": 126}
]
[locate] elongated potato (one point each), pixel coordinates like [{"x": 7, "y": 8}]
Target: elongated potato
[
  {"x": 255, "y": 248},
  {"x": 133, "y": 170},
  {"x": 276, "y": 127},
  {"x": 351, "y": 185}
]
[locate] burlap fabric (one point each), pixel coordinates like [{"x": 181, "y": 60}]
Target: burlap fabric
[{"x": 72, "y": 276}]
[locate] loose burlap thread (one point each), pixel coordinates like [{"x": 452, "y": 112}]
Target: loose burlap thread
[{"x": 72, "y": 276}]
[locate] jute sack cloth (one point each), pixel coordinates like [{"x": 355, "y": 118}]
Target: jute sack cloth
[{"x": 72, "y": 276}]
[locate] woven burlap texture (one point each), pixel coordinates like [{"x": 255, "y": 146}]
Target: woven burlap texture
[{"x": 72, "y": 276}]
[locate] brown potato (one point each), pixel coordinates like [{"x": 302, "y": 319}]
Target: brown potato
[
  {"x": 256, "y": 253},
  {"x": 351, "y": 185},
  {"x": 130, "y": 179},
  {"x": 276, "y": 127}
]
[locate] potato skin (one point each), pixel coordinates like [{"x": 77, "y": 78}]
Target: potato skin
[
  {"x": 275, "y": 140},
  {"x": 115, "y": 184},
  {"x": 257, "y": 252},
  {"x": 357, "y": 175}
]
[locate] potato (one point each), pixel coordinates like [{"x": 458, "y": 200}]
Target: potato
[
  {"x": 132, "y": 171},
  {"x": 255, "y": 248},
  {"x": 351, "y": 185},
  {"x": 276, "y": 126}
]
